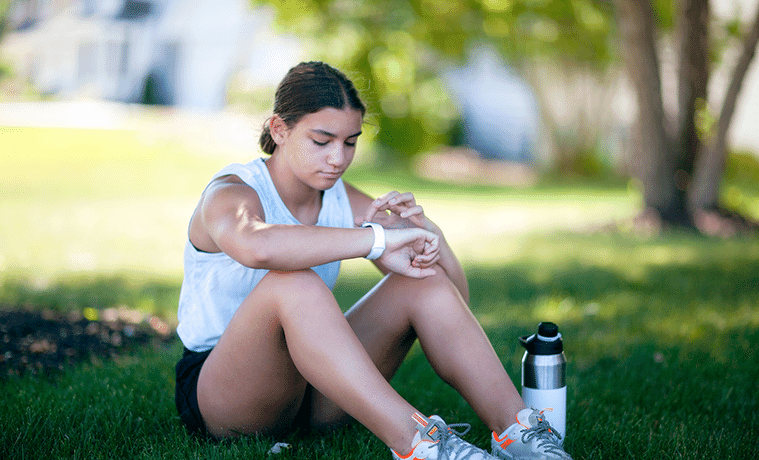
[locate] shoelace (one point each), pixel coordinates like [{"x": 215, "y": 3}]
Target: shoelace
[
  {"x": 453, "y": 447},
  {"x": 547, "y": 437},
  {"x": 452, "y": 428}
]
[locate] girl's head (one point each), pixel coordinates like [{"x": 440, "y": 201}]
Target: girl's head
[{"x": 308, "y": 88}]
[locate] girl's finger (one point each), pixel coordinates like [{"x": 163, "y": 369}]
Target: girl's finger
[
  {"x": 421, "y": 262},
  {"x": 388, "y": 197},
  {"x": 378, "y": 205},
  {"x": 432, "y": 245},
  {"x": 407, "y": 198},
  {"x": 429, "y": 252},
  {"x": 412, "y": 211}
]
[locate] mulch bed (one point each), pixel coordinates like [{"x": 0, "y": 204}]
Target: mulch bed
[{"x": 47, "y": 342}]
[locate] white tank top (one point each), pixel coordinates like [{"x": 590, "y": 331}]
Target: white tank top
[{"x": 215, "y": 285}]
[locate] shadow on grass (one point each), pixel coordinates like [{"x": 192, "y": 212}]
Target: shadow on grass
[{"x": 97, "y": 292}]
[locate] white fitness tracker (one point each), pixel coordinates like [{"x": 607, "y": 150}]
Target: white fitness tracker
[{"x": 379, "y": 240}]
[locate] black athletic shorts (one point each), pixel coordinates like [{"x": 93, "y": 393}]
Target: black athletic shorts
[{"x": 186, "y": 396}]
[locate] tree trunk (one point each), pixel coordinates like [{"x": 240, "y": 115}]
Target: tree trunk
[
  {"x": 693, "y": 77},
  {"x": 682, "y": 176},
  {"x": 704, "y": 193},
  {"x": 655, "y": 152}
]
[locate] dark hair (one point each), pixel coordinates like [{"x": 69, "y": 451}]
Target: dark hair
[{"x": 308, "y": 88}]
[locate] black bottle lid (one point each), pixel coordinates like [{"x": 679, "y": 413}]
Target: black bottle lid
[{"x": 546, "y": 342}]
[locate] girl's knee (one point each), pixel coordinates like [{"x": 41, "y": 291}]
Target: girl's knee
[
  {"x": 297, "y": 282},
  {"x": 290, "y": 290},
  {"x": 434, "y": 295}
]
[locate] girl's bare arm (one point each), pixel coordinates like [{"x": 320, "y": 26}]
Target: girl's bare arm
[{"x": 230, "y": 218}]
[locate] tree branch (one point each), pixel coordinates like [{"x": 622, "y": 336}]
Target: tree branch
[
  {"x": 736, "y": 83},
  {"x": 704, "y": 193}
]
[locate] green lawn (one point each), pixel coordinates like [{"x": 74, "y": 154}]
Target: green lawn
[{"x": 661, "y": 334}]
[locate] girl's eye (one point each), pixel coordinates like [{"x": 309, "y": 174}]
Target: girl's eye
[{"x": 322, "y": 144}]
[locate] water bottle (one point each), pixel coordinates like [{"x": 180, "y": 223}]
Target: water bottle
[{"x": 544, "y": 384}]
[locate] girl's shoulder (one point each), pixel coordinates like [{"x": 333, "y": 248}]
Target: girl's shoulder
[{"x": 252, "y": 173}]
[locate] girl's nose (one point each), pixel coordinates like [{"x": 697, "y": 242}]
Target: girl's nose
[{"x": 336, "y": 156}]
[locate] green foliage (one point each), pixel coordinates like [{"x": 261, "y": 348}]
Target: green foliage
[
  {"x": 401, "y": 48},
  {"x": 5, "y": 6},
  {"x": 666, "y": 14},
  {"x": 6, "y": 70},
  {"x": 726, "y": 34},
  {"x": 742, "y": 169},
  {"x": 740, "y": 186}
]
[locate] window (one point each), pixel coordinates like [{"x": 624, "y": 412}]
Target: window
[{"x": 87, "y": 62}]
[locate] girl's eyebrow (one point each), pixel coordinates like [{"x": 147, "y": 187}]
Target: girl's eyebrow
[{"x": 329, "y": 134}]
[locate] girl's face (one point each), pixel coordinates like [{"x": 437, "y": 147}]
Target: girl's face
[{"x": 321, "y": 146}]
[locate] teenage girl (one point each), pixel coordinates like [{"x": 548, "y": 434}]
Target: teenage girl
[{"x": 267, "y": 348}]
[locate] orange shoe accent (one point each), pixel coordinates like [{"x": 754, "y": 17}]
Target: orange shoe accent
[
  {"x": 410, "y": 454},
  {"x": 408, "y": 457},
  {"x": 505, "y": 440},
  {"x": 418, "y": 418},
  {"x": 497, "y": 439}
]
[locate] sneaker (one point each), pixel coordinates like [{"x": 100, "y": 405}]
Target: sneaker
[
  {"x": 434, "y": 440},
  {"x": 531, "y": 438}
]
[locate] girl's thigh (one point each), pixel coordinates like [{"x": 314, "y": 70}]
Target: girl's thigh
[{"x": 249, "y": 383}]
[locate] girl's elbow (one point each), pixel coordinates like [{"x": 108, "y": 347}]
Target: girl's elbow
[
  {"x": 257, "y": 259},
  {"x": 252, "y": 252}
]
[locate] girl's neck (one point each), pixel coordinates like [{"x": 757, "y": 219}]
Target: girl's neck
[{"x": 303, "y": 201}]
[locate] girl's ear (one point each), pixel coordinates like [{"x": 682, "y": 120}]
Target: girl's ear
[{"x": 278, "y": 129}]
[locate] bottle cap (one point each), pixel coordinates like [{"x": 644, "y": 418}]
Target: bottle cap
[{"x": 546, "y": 342}]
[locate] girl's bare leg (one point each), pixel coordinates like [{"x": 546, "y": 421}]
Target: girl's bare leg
[
  {"x": 399, "y": 310},
  {"x": 290, "y": 331}
]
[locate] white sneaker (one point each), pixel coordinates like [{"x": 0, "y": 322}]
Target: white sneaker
[
  {"x": 434, "y": 440},
  {"x": 531, "y": 438}
]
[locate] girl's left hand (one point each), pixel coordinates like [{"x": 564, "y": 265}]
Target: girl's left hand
[{"x": 403, "y": 211}]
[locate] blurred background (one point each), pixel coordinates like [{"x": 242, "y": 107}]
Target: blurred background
[{"x": 113, "y": 114}]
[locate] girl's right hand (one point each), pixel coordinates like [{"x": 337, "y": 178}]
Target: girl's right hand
[{"x": 411, "y": 252}]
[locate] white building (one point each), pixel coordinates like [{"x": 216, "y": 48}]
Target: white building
[{"x": 172, "y": 52}]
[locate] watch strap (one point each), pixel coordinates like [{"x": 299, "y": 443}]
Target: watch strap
[{"x": 379, "y": 240}]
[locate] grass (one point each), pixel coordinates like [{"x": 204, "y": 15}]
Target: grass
[{"x": 660, "y": 334}]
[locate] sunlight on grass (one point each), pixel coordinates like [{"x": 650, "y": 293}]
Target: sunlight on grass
[
  {"x": 489, "y": 227},
  {"x": 93, "y": 200},
  {"x": 96, "y": 201}
]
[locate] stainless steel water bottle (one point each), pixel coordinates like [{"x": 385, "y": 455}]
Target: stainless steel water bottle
[{"x": 544, "y": 367}]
